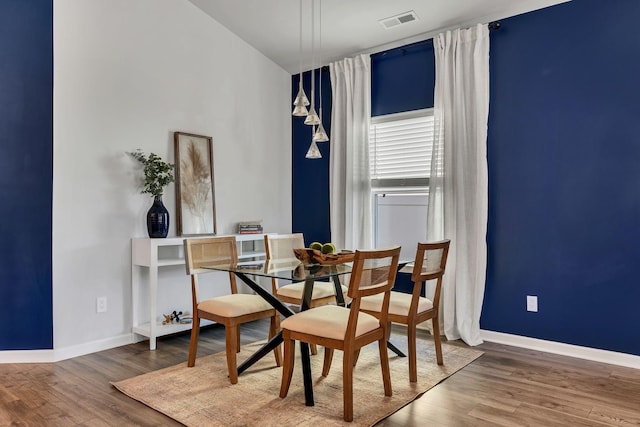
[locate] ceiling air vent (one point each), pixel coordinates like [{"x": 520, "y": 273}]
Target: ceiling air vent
[{"x": 394, "y": 21}]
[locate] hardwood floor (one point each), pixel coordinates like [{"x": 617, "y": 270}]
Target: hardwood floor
[{"x": 507, "y": 386}]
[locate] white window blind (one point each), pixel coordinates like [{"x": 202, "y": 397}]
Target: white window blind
[{"x": 400, "y": 149}]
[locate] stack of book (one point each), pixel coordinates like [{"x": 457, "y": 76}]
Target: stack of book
[{"x": 250, "y": 227}]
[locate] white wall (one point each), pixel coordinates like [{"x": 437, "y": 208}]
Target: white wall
[{"x": 128, "y": 73}]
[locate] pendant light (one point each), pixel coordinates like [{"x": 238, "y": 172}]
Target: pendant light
[
  {"x": 301, "y": 101},
  {"x": 320, "y": 135},
  {"x": 313, "y": 152},
  {"x": 312, "y": 118}
]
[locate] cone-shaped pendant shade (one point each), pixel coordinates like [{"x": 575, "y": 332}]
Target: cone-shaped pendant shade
[
  {"x": 301, "y": 102},
  {"x": 300, "y": 111},
  {"x": 313, "y": 152},
  {"x": 301, "y": 98},
  {"x": 320, "y": 135},
  {"x": 312, "y": 117}
]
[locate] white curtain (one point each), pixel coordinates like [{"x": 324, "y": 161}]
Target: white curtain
[
  {"x": 349, "y": 178},
  {"x": 458, "y": 193}
]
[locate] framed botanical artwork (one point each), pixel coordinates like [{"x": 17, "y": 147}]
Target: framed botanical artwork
[{"x": 195, "y": 194}]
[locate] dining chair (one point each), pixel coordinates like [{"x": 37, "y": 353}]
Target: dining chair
[
  {"x": 347, "y": 329},
  {"x": 280, "y": 247},
  {"x": 413, "y": 309},
  {"x": 230, "y": 310}
]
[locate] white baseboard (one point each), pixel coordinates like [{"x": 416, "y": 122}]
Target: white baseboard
[
  {"x": 588, "y": 353},
  {"x": 594, "y": 354},
  {"x": 92, "y": 347},
  {"x": 26, "y": 356},
  {"x": 56, "y": 355}
]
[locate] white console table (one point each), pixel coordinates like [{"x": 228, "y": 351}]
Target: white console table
[{"x": 153, "y": 254}]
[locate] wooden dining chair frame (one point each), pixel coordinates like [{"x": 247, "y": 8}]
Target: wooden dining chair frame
[
  {"x": 412, "y": 319},
  {"x": 350, "y": 344},
  {"x": 298, "y": 239},
  {"x": 194, "y": 265}
]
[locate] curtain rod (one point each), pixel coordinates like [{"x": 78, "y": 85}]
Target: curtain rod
[
  {"x": 403, "y": 49},
  {"x": 493, "y": 25}
]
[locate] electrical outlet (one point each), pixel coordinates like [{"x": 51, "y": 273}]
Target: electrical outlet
[
  {"x": 101, "y": 305},
  {"x": 532, "y": 303}
]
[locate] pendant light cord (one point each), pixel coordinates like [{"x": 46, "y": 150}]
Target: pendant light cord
[
  {"x": 320, "y": 49},
  {"x": 313, "y": 94},
  {"x": 300, "y": 52}
]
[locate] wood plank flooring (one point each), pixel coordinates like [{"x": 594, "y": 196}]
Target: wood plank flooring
[{"x": 507, "y": 386}]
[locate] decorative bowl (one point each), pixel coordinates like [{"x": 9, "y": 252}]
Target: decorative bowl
[{"x": 314, "y": 256}]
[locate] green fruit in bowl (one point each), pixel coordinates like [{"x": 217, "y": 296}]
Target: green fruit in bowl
[
  {"x": 316, "y": 245},
  {"x": 328, "y": 248}
]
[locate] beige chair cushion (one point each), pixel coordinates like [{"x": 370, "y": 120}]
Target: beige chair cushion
[
  {"x": 328, "y": 321},
  {"x": 234, "y": 305},
  {"x": 399, "y": 303},
  {"x": 320, "y": 290}
]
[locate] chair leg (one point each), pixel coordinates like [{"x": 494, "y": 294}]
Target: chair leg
[
  {"x": 411, "y": 343},
  {"x": 274, "y": 327},
  {"x": 436, "y": 338},
  {"x": 193, "y": 345},
  {"x": 238, "y": 339},
  {"x": 328, "y": 357},
  {"x": 231, "y": 333},
  {"x": 287, "y": 369},
  {"x": 384, "y": 363},
  {"x": 347, "y": 384}
]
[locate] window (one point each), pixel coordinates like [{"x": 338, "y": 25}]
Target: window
[
  {"x": 400, "y": 149},
  {"x": 400, "y": 163}
]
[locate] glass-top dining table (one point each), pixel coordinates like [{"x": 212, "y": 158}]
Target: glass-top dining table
[{"x": 295, "y": 271}]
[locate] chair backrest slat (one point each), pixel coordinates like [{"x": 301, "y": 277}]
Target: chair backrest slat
[
  {"x": 431, "y": 259},
  {"x": 210, "y": 251},
  {"x": 199, "y": 253},
  {"x": 430, "y": 263},
  {"x": 373, "y": 272},
  {"x": 281, "y": 246}
]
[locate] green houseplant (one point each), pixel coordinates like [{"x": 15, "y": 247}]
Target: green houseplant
[{"x": 157, "y": 175}]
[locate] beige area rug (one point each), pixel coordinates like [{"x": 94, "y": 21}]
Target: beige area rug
[{"x": 203, "y": 396}]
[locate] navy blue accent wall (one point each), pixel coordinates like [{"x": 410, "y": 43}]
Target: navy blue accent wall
[
  {"x": 403, "y": 79},
  {"x": 564, "y": 175},
  {"x": 564, "y": 170},
  {"x": 26, "y": 173},
  {"x": 310, "y": 183}
]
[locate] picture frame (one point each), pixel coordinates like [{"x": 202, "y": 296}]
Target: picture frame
[{"x": 195, "y": 188}]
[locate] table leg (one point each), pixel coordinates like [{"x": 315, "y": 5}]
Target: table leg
[
  {"x": 395, "y": 349},
  {"x": 339, "y": 294},
  {"x": 307, "y": 293},
  {"x": 304, "y": 347},
  {"x": 277, "y": 340},
  {"x": 275, "y": 302},
  {"x": 306, "y": 374},
  {"x": 263, "y": 351},
  {"x": 273, "y": 342}
]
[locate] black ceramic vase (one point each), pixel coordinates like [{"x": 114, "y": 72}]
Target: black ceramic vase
[{"x": 158, "y": 219}]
